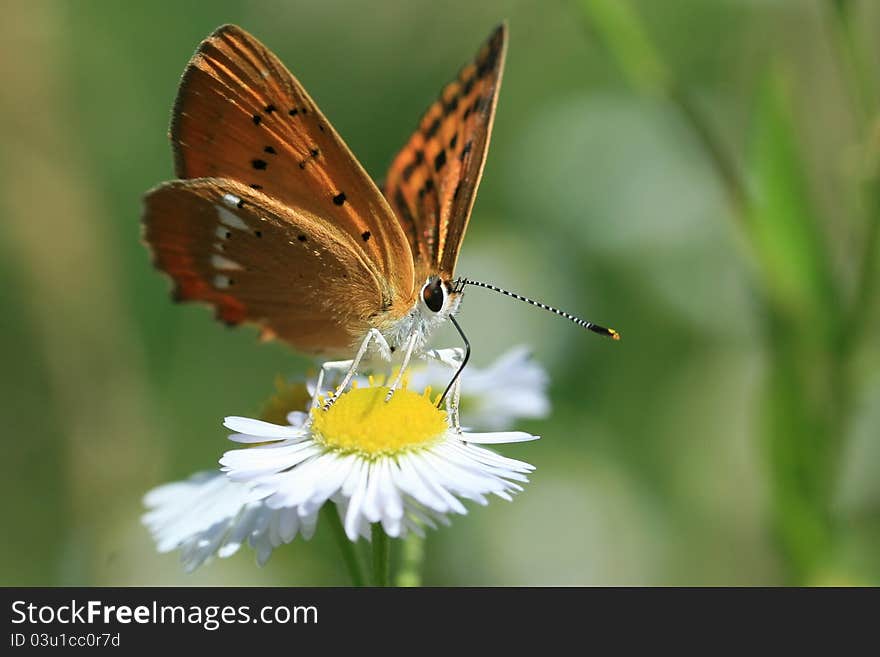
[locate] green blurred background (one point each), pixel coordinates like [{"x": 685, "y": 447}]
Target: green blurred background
[{"x": 699, "y": 174}]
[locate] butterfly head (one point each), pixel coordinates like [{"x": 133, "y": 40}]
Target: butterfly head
[{"x": 438, "y": 298}]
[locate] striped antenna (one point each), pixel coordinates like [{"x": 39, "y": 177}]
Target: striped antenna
[{"x": 595, "y": 328}]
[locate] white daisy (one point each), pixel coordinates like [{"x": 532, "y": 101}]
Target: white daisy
[
  {"x": 209, "y": 514},
  {"x": 398, "y": 463},
  {"x": 513, "y": 387}
]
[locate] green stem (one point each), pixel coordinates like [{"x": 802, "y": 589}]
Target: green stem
[
  {"x": 412, "y": 557},
  {"x": 718, "y": 155},
  {"x": 857, "y": 73},
  {"x": 865, "y": 297},
  {"x": 800, "y": 434},
  {"x": 856, "y": 69},
  {"x": 381, "y": 555},
  {"x": 346, "y": 547},
  {"x": 617, "y": 25}
]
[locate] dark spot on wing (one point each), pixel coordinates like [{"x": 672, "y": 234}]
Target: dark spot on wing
[
  {"x": 468, "y": 85},
  {"x": 302, "y": 238},
  {"x": 270, "y": 150},
  {"x": 457, "y": 190},
  {"x": 293, "y": 112},
  {"x": 451, "y": 106},
  {"x": 453, "y": 142},
  {"x": 339, "y": 199},
  {"x": 312, "y": 154},
  {"x": 256, "y": 186},
  {"x": 365, "y": 235},
  {"x": 257, "y": 119},
  {"x": 269, "y": 109},
  {"x": 440, "y": 160},
  {"x": 432, "y": 129},
  {"x": 466, "y": 149},
  {"x": 411, "y": 167},
  {"x": 228, "y": 234},
  {"x": 488, "y": 64},
  {"x": 241, "y": 203},
  {"x": 259, "y": 164},
  {"x": 258, "y": 233},
  {"x": 427, "y": 187}
]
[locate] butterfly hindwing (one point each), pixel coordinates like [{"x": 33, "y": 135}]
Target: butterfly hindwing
[
  {"x": 433, "y": 180},
  {"x": 240, "y": 114},
  {"x": 299, "y": 277}
]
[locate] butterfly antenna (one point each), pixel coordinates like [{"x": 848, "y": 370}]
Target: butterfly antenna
[
  {"x": 595, "y": 328},
  {"x": 467, "y": 355}
]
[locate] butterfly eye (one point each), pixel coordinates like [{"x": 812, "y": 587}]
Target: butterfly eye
[{"x": 434, "y": 295}]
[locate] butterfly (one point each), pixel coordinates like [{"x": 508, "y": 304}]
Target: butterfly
[{"x": 273, "y": 221}]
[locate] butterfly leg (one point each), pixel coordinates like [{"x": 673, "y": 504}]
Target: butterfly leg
[
  {"x": 336, "y": 366},
  {"x": 453, "y": 404},
  {"x": 451, "y": 358},
  {"x": 384, "y": 350},
  {"x": 407, "y": 355}
]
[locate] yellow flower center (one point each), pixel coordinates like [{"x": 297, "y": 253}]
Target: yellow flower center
[{"x": 362, "y": 422}]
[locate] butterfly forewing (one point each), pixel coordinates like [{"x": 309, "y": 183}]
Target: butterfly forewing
[
  {"x": 257, "y": 260},
  {"x": 432, "y": 182},
  {"x": 240, "y": 114}
]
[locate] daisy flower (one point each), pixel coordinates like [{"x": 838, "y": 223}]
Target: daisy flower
[{"x": 398, "y": 463}]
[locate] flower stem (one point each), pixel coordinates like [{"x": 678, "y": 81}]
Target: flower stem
[
  {"x": 346, "y": 547},
  {"x": 381, "y": 555},
  {"x": 410, "y": 573}
]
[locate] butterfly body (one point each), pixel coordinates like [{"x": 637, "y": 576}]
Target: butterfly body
[{"x": 272, "y": 220}]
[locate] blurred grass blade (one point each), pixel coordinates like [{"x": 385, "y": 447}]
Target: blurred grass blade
[
  {"x": 621, "y": 31},
  {"x": 855, "y": 58},
  {"x": 782, "y": 223},
  {"x": 801, "y": 400},
  {"x": 618, "y": 26}
]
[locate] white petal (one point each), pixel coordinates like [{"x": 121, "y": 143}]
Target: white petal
[
  {"x": 260, "y": 428},
  {"x": 353, "y": 519},
  {"x": 498, "y": 437},
  {"x": 429, "y": 478},
  {"x": 410, "y": 481}
]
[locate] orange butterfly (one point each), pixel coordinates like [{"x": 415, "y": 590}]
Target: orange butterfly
[{"x": 274, "y": 221}]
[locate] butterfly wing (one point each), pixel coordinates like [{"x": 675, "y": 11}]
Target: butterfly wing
[
  {"x": 433, "y": 180},
  {"x": 301, "y": 278},
  {"x": 240, "y": 114}
]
